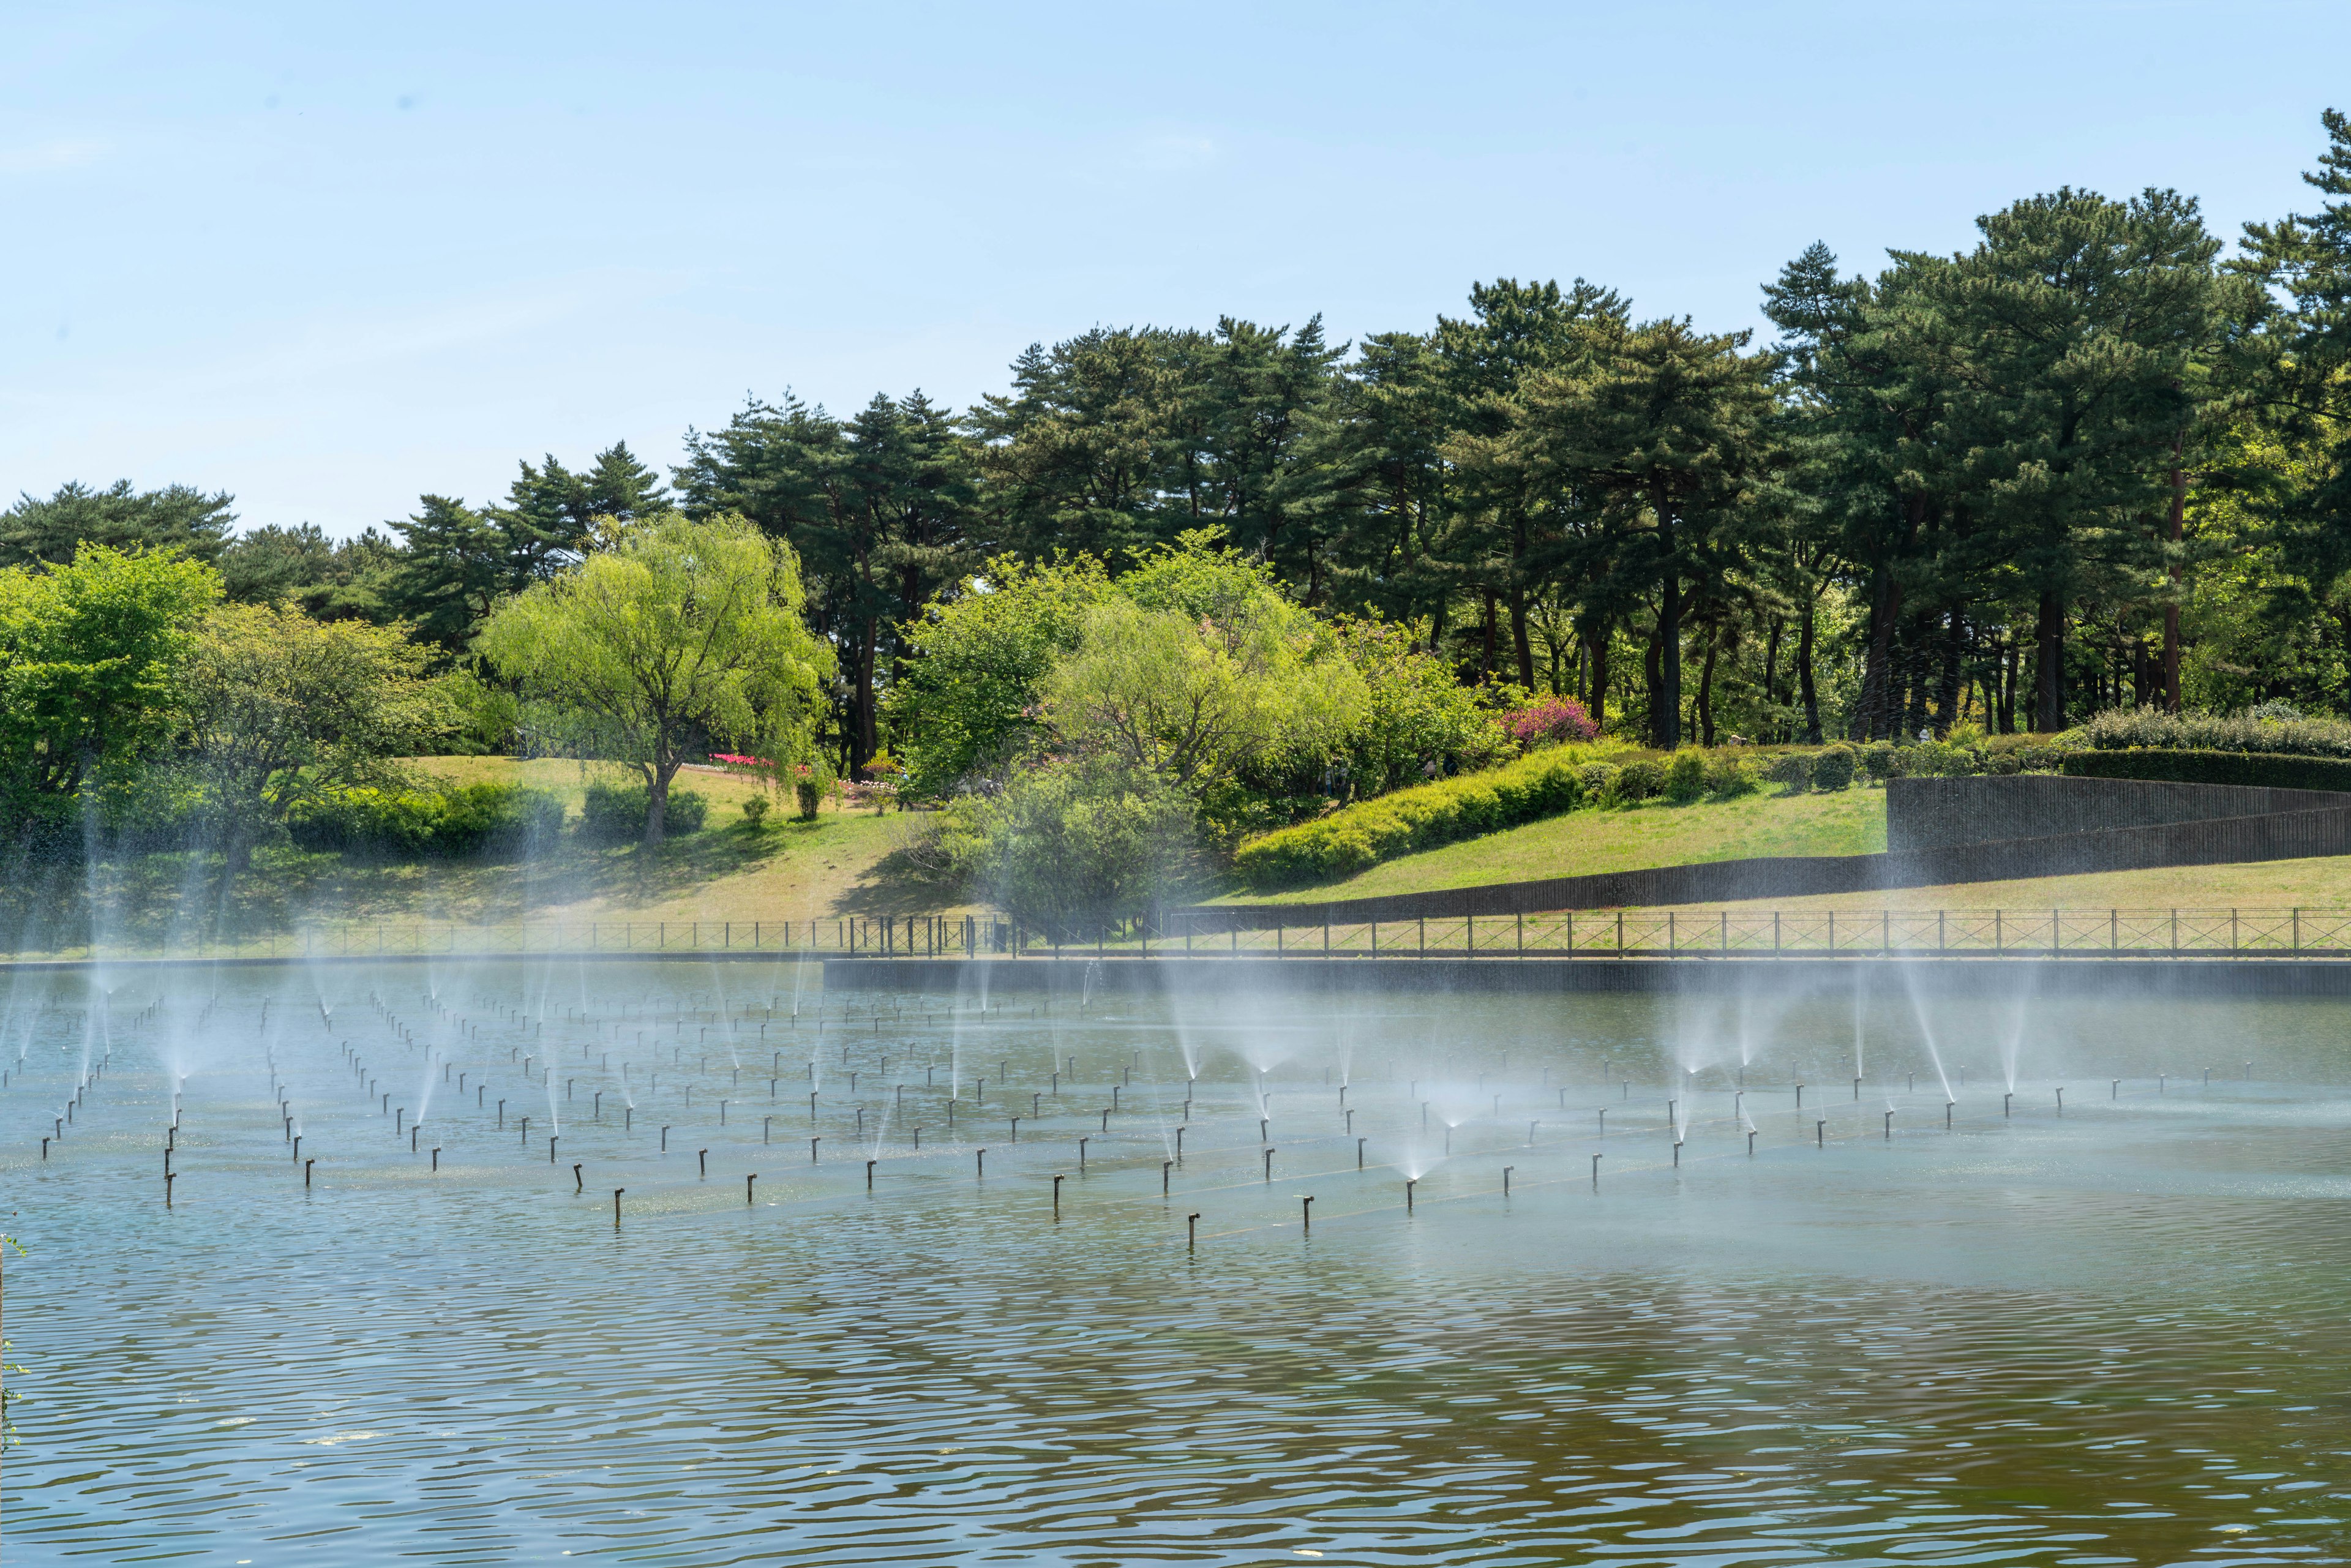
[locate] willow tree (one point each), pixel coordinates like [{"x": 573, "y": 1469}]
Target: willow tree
[{"x": 682, "y": 633}]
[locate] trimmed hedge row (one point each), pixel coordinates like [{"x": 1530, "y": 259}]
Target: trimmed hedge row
[
  {"x": 463, "y": 820},
  {"x": 618, "y": 811},
  {"x": 1419, "y": 818},
  {"x": 2270, "y": 770}
]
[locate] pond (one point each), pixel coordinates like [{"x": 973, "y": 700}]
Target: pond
[{"x": 2109, "y": 1334}]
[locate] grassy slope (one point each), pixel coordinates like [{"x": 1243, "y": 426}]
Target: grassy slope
[
  {"x": 789, "y": 870},
  {"x": 1850, "y": 822}
]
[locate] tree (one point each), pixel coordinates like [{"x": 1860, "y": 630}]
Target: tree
[
  {"x": 551, "y": 513},
  {"x": 1668, "y": 434},
  {"x": 329, "y": 579},
  {"x": 88, "y": 655},
  {"x": 682, "y": 633},
  {"x": 1072, "y": 847},
  {"x": 275, "y": 706},
  {"x": 453, "y": 568},
  {"x": 878, "y": 509},
  {"x": 174, "y": 518},
  {"x": 969, "y": 706}
]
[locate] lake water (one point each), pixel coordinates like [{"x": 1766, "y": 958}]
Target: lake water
[{"x": 2116, "y": 1335}]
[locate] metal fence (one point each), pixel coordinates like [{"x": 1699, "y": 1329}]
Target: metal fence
[{"x": 1627, "y": 934}]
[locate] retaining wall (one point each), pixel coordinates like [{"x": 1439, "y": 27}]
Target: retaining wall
[
  {"x": 1222, "y": 976},
  {"x": 1938, "y": 813}
]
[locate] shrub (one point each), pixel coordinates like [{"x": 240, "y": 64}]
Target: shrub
[
  {"x": 1882, "y": 760},
  {"x": 1728, "y": 776},
  {"x": 1833, "y": 768},
  {"x": 810, "y": 792},
  {"x": 617, "y": 812},
  {"x": 1071, "y": 848},
  {"x": 1942, "y": 760},
  {"x": 2126, "y": 729},
  {"x": 472, "y": 819},
  {"x": 1547, "y": 720},
  {"x": 1791, "y": 769},
  {"x": 1642, "y": 779},
  {"x": 1347, "y": 840},
  {"x": 1599, "y": 781},
  {"x": 1686, "y": 776},
  {"x": 755, "y": 813},
  {"x": 2272, "y": 772}
]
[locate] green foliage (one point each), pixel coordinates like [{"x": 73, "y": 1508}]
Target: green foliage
[
  {"x": 1881, "y": 760},
  {"x": 2124, "y": 729},
  {"x": 1642, "y": 779},
  {"x": 465, "y": 820},
  {"x": 1686, "y": 776},
  {"x": 1417, "y": 715},
  {"x": 275, "y": 707},
  {"x": 1791, "y": 769},
  {"x": 681, "y": 634},
  {"x": 755, "y": 813},
  {"x": 88, "y": 655},
  {"x": 611, "y": 812},
  {"x": 50, "y": 532},
  {"x": 969, "y": 703},
  {"x": 2271, "y": 770},
  {"x": 1419, "y": 818},
  {"x": 1728, "y": 775},
  {"x": 1071, "y": 848},
  {"x": 1833, "y": 768}
]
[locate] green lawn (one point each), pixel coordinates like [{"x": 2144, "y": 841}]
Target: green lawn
[
  {"x": 842, "y": 864},
  {"x": 1850, "y": 823}
]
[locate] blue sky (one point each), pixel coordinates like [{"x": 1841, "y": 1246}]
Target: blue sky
[{"x": 329, "y": 256}]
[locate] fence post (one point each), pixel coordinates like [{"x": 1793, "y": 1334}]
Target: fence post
[
  {"x": 1831, "y": 932},
  {"x": 1620, "y": 934},
  {"x": 1939, "y": 945},
  {"x": 2233, "y": 931},
  {"x": 2297, "y": 928},
  {"x": 1725, "y": 934},
  {"x": 1521, "y": 918},
  {"x": 1775, "y": 934},
  {"x": 1469, "y": 935},
  {"x": 1424, "y": 936},
  {"x": 2114, "y": 931},
  {"x": 1673, "y": 941},
  {"x": 2175, "y": 934},
  {"x": 1886, "y": 934},
  {"x": 2056, "y": 934},
  {"x": 1571, "y": 933},
  {"x": 1997, "y": 947}
]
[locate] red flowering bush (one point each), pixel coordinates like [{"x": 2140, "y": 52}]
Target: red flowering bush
[{"x": 1549, "y": 719}]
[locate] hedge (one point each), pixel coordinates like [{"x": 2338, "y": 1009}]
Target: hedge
[
  {"x": 1419, "y": 818},
  {"x": 463, "y": 820},
  {"x": 2257, "y": 769}
]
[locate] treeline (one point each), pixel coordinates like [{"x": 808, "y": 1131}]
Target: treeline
[{"x": 2089, "y": 462}]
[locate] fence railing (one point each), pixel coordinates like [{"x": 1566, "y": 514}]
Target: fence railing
[{"x": 1628, "y": 934}]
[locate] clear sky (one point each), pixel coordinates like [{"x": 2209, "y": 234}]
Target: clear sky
[{"x": 328, "y": 256}]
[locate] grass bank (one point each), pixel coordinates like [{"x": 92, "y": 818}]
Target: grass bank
[
  {"x": 1577, "y": 843},
  {"x": 839, "y": 864}
]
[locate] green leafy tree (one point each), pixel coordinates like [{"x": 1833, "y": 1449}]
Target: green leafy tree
[
  {"x": 680, "y": 633},
  {"x": 276, "y": 708},
  {"x": 969, "y": 704},
  {"x": 1073, "y": 847},
  {"x": 88, "y": 655}
]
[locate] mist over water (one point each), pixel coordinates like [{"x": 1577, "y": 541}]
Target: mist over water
[{"x": 2113, "y": 1336}]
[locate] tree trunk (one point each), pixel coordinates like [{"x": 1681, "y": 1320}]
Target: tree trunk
[
  {"x": 2049, "y": 693},
  {"x": 1874, "y": 715},
  {"x": 867, "y": 738},
  {"x": 657, "y": 779},
  {"x": 1670, "y": 654},
  {"x": 1653, "y": 675},
  {"x": 1805, "y": 689},
  {"x": 1486, "y": 669},
  {"x": 2178, "y": 531},
  {"x": 1947, "y": 693},
  {"x": 1518, "y": 643},
  {"x": 1598, "y": 706},
  {"x": 2010, "y": 657},
  {"x": 1706, "y": 697},
  {"x": 1772, "y": 669}
]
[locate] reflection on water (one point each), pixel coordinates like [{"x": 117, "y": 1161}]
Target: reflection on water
[{"x": 2115, "y": 1336}]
